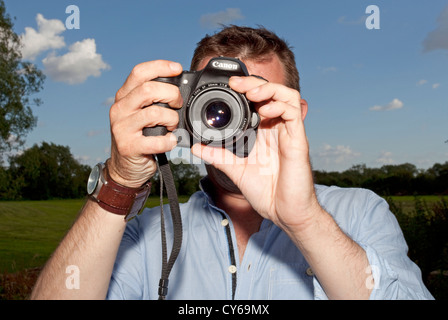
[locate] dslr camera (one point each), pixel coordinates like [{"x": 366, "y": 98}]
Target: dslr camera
[{"x": 212, "y": 113}]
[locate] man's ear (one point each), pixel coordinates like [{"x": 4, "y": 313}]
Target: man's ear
[{"x": 304, "y": 107}]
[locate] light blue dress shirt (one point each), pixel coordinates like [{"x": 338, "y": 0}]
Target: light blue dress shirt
[{"x": 272, "y": 267}]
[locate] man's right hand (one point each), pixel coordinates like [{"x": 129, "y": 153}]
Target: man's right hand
[
  {"x": 93, "y": 241},
  {"x": 132, "y": 162}
]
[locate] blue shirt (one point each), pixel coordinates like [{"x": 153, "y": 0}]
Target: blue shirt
[{"x": 272, "y": 267}]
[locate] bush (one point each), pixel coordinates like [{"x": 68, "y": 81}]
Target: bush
[
  {"x": 18, "y": 286},
  {"x": 425, "y": 229}
]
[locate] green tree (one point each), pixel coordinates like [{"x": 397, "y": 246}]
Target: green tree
[
  {"x": 18, "y": 80},
  {"x": 9, "y": 188},
  {"x": 49, "y": 171},
  {"x": 186, "y": 178}
]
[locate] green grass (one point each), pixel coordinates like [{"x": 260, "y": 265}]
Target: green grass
[
  {"x": 407, "y": 203},
  {"x": 31, "y": 230}
]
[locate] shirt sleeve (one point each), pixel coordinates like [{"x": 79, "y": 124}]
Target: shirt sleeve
[
  {"x": 395, "y": 276},
  {"x": 366, "y": 218},
  {"x": 127, "y": 276}
]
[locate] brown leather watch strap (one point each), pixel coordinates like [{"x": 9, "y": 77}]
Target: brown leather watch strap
[{"x": 122, "y": 200}]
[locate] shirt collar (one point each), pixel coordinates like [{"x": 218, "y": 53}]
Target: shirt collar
[{"x": 206, "y": 186}]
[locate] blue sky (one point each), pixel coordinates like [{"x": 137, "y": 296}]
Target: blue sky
[{"x": 375, "y": 96}]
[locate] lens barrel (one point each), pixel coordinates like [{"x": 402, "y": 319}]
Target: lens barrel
[{"x": 217, "y": 115}]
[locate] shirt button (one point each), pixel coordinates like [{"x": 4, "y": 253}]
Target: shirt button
[
  {"x": 232, "y": 269},
  {"x": 224, "y": 222},
  {"x": 309, "y": 272}
]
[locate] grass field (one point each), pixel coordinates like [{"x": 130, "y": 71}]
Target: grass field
[
  {"x": 31, "y": 230},
  {"x": 407, "y": 203}
]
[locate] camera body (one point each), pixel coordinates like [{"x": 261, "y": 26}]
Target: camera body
[{"x": 212, "y": 113}]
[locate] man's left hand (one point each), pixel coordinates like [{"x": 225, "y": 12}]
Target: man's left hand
[{"x": 276, "y": 178}]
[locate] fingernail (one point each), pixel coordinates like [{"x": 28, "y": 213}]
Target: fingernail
[
  {"x": 236, "y": 80},
  {"x": 175, "y": 67}
]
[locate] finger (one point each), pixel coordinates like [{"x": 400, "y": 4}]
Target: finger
[
  {"x": 147, "y": 94},
  {"x": 289, "y": 115},
  {"x": 220, "y": 158},
  {"x": 135, "y": 146},
  {"x": 133, "y": 125},
  {"x": 279, "y": 109},
  {"x": 147, "y": 71},
  {"x": 155, "y": 145},
  {"x": 274, "y": 92},
  {"x": 244, "y": 84},
  {"x": 153, "y": 116}
]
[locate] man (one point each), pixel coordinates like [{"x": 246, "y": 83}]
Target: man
[{"x": 294, "y": 240}]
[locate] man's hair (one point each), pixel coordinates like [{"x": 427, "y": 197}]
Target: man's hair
[{"x": 248, "y": 44}]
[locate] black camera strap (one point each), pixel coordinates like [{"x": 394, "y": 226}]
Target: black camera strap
[{"x": 166, "y": 177}]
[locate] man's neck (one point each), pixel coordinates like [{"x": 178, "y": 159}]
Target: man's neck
[{"x": 245, "y": 219}]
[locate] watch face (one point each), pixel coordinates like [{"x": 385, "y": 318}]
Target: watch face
[{"x": 93, "y": 180}]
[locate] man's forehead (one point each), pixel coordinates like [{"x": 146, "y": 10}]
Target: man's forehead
[{"x": 268, "y": 67}]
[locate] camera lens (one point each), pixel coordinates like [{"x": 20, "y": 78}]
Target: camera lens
[{"x": 218, "y": 114}]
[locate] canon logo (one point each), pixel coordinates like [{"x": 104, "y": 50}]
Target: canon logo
[{"x": 224, "y": 65}]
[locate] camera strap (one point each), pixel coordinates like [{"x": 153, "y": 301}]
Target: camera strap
[{"x": 166, "y": 178}]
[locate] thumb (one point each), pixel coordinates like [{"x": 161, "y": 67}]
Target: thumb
[{"x": 220, "y": 158}]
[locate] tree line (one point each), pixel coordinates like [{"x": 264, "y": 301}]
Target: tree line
[
  {"x": 389, "y": 180},
  {"x": 50, "y": 171},
  {"x": 43, "y": 172}
]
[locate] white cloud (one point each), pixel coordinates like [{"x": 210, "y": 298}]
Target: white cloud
[
  {"x": 75, "y": 66},
  {"x": 422, "y": 82},
  {"x": 47, "y": 37},
  {"x": 108, "y": 102},
  {"x": 385, "y": 158},
  {"x": 338, "y": 155},
  {"x": 438, "y": 38},
  {"x": 94, "y": 133},
  {"x": 83, "y": 159},
  {"x": 393, "y": 105},
  {"x": 213, "y": 20},
  {"x": 81, "y": 62}
]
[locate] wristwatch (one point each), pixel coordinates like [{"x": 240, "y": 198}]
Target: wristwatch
[{"x": 114, "y": 197}]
